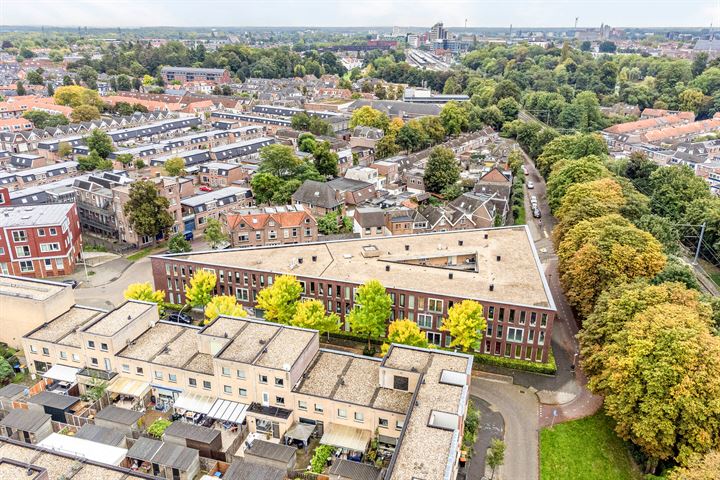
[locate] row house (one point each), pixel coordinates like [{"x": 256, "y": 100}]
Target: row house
[
  {"x": 379, "y": 222},
  {"x": 270, "y": 124},
  {"x": 196, "y": 210},
  {"x": 281, "y": 225},
  {"x": 188, "y": 74},
  {"x": 243, "y": 151},
  {"x": 38, "y": 176},
  {"x": 95, "y": 201},
  {"x": 218, "y": 174}
]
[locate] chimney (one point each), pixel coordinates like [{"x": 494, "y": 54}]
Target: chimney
[{"x": 492, "y": 287}]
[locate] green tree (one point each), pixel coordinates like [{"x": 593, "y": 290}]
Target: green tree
[
  {"x": 493, "y": 116},
  {"x": 147, "y": 210},
  {"x": 125, "y": 159},
  {"x": 433, "y": 128},
  {"x": 466, "y": 325},
  {"x": 225, "y": 305},
  {"x": 699, "y": 467},
  {"x": 442, "y": 170},
  {"x": 325, "y": 160},
  {"x": 84, "y": 113},
  {"x": 408, "y": 138},
  {"x": 509, "y": 108},
  {"x": 661, "y": 383},
  {"x": 373, "y": 307},
  {"x": 673, "y": 188},
  {"x": 279, "y": 300},
  {"x": 100, "y": 142},
  {"x": 386, "y": 147},
  {"x": 369, "y": 117},
  {"x": 20, "y": 88},
  {"x": 178, "y": 244},
  {"x": 496, "y": 455},
  {"x": 307, "y": 142},
  {"x": 310, "y": 313},
  {"x": 587, "y": 200},
  {"x": 570, "y": 173},
  {"x": 90, "y": 162},
  {"x": 6, "y": 371},
  {"x": 279, "y": 160},
  {"x": 568, "y": 147},
  {"x": 175, "y": 166},
  {"x": 676, "y": 270},
  {"x": 663, "y": 229},
  {"x": 691, "y": 99},
  {"x": 454, "y": 118},
  {"x": 198, "y": 292},
  {"x": 34, "y": 77},
  {"x": 328, "y": 224},
  {"x": 42, "y": 119},
  {"x": 639, "y": 169},
  {"x": 600, "y": 252},
  {"x": 214, "y": 233},
  {"x": 64, "y": 149},
  {"x": 264, "y": 186}
]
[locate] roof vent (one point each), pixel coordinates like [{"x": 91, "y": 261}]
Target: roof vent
[
  {"x": 486, "y": 236},
  {"x": 460, "y": 242},
  {"x": 300, "y": 260},
  {"x": 498, "y": 258},
  {"x": 492, "y": 287},
  {"x": 407, "y": 247},
  {"x": 387, "y": 268},
  {"x": 314, "y": 258},
  {"x": 450, "y": 276}
]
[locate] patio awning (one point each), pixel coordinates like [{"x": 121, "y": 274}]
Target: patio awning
[
  {"x": 300, "y": 431},
  {"x": 346, "y": 437},
  {"x": 228, "y": 411},
  {"x": 129, "y": 387},
  {"x": 194, "y": 402},
  {"x": 62, "y": 373}
]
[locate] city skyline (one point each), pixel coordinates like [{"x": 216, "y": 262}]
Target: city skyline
[{"x": 367, "y": 13}]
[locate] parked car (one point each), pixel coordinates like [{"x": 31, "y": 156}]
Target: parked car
[
  {"x": 205, "y": 188},
  {"x": 179, "y": 317},
  {"x": 530, "y": 185},
  {"x": 536, "y": 212},
  {"x": 524, "y": 169},
  {"x": 71, "y": 282}
]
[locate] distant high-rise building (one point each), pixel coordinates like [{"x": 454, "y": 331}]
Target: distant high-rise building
[{"x": 438, "y": 32}]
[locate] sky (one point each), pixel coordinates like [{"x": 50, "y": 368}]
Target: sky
[{"x": 354, "y": 13}]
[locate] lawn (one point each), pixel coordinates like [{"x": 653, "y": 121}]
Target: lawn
[
  {"x": 586, "y": 449},
  {"x": 715, "y": 278},
  {"x": 140, "y": 254}
]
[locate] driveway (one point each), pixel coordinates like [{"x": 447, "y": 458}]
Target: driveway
[
  {"x": 519, "y": 409},
  {"x": 491, "y": 426},
  {"x": 105, "y": 288}
]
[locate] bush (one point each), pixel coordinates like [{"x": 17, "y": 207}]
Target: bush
[
  {"x": 548, "y": 368},
  {"x": 320, "y": 458},
  {"x": 158, "y": 427}
]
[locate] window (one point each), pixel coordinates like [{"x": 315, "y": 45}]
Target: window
[
  {"x": 225, "y": 371},
  {"x": 383, "y": 422},
  {"x": 63, "y": 355},
  {"x": 241, "y": 374},
  {"x": 318, "y": 408},
  {"x": 533, "y": 319},
  {"x": 139, "y": 371},
  {"x": 522, "y": 317},
  {"x": 45, "y": 351},
  {"x": 126, "y": 368},
  {"x": 48, "y": 264},
  {"x": 279, "y": 400},
  {"x": 531, "y": 336},
  {"x": 207, "y": 385},
  {"x": 91, "y": 344},
  {"x": 400, "y": 383},
  {"x": 22, "y": 251},
  {"x": 435, "y": 305},
  {"x": 32, "y": 349},
  {"x": 19, "y": 236},
  {"x": 424, "y": 320},
  {"x": 104, "y": 347},
  {"x": 501, "y": 317},
  {"x": 242, "y": 392},
  {"x": 227, "y": 389},
  {"x": 491, "y": 313},
  {"x": 41, "y": 232},
  {"x": 49, "y": 247},
  {"x": 53, "y": 231},
  {"x": 541, "y": 338},
  {"x": 172, "y": 378},
  {"x": 488, "y": 332},
  {"x": 241, "y": 294},
  {"x": 342, "y": 413},
  {"x": 75, "y": 357},
  {"x": 511, "y": 316},
  {"x": 192, "y": 382},
  {"x": 543, "y": 320},
  {"x": 302, "y": 405},
  {"x": 94, "y": 361},
  {"x": 359, "y": 417},
  {"x": 263, "y": 379},
  {"x": 279, "y": 382},
  {"x": 499, "y": 331},
  {"x": 158, "y": 375},
  {"x": 515, "y": 334}
]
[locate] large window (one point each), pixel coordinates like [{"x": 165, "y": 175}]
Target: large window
[
  {"x": 26, "y": 266},
  {"x": 435, "y": 305},
  {"x": 49, "y": 247},
  {"x": 22, "y": 251},
  {"x": 19, "y": 236},
  {"x": 514, "y": 334},
  {"x": 424, "y": 320}
]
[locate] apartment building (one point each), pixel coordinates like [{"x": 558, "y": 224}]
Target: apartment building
[
  {"x": 196, "y": 210},
  {"x": 258, "y": 227},
  {"x": 186, "y": 74},
  {"x": 95, "y": 201},
  {"x": 424, "y": 274},
  {"x": 275, "y": 378},
  {"x": 39, "y": 241},
  {"x": 218, "y": 174},
  {"x": 174, "y": 189}
]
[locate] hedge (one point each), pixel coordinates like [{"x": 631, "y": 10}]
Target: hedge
[{"x": 549, "y": 368}]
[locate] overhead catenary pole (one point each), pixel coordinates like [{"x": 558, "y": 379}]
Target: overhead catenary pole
[{"x": 697, "y": 250}]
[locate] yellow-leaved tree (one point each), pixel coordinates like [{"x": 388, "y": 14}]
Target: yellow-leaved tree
[
  {"x": 199, "y": 291},
  {"x": 279, "y": 300},
  {"x": 405, "y": 332},
  {"x": 144, "y": 292},
  {"x": 311, "y": 314},
  {"x": 466, "y": 325},
  {"x": 223, "y": 305}
]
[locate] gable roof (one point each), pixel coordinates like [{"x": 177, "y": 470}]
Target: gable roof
[{"x": 317, "y": 194}]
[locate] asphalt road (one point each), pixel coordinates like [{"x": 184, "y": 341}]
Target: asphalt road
[{"x": 519, "y": 409}]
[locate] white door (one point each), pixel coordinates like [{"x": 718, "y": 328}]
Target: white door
[{"x": 266, "y": 399}]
